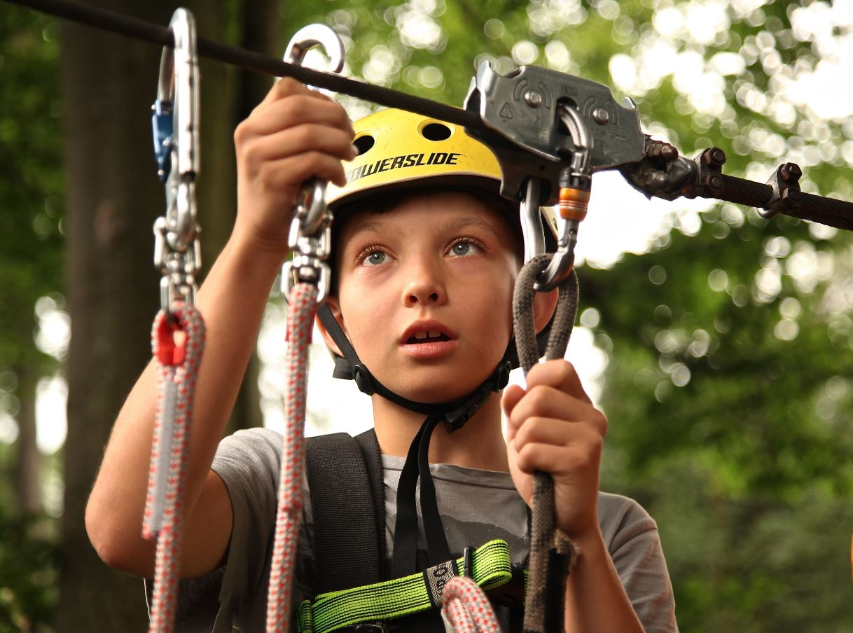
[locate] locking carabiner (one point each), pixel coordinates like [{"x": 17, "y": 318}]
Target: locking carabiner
[
  {"x": 575, "y": 184},
  {"x": 531, "y": 220},
  {"x": 177, "y": 252},
  {"x": 311, "y": 201},
  {"x": 310, "y": 228}
]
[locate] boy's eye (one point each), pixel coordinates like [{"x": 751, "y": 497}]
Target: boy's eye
[
  {"x": 376, "y": 258},
  {"x": 463, "y": 248}
]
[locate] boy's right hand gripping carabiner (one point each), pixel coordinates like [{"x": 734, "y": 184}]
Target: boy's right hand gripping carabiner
[{"x": 310, "y": 228}]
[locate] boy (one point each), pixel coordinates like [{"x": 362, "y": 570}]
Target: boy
[{"x": 424, "y": 281}]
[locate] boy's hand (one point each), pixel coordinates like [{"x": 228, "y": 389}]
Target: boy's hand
[
  {"x": 554, "y": 428},
  {"x": 295, "y": 133}
]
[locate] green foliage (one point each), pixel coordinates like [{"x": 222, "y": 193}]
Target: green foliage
[
  {"x": 729, "y": 383},
  {"x": 29, "y": 561},
  {"x": 31, "y": 182},
  {"x": 730, "y": 378},
  {"x": 30, "y": 267}
]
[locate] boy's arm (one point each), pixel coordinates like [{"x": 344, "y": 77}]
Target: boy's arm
[
  {"x": 294, "y": 134},
  {"x": 554, "y": 428}
]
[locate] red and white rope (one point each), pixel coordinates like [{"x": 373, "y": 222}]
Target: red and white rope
[
  {"x": 466, "y": 607},
  {"x": 302, "y": 305},
  {"x": 178, "y": 344}
]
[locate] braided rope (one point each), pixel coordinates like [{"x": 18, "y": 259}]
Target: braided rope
[
  {"x": 552, "y": 553},
  {"x": 300, "y": 323},
  {"x": 467, "y": 608},
  {"x": 178, "y": 365}
]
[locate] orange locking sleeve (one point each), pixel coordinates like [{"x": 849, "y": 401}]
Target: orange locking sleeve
[{"x": 573, "y": 203}]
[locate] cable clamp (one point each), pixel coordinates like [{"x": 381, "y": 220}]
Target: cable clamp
[{"x": 785, "y": 183}]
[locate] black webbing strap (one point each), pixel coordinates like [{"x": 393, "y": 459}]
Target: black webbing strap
[
  {"x": 406, "y": 527},
  {"x": 346, "y": 538},
  {"x": 372, "y": 456}
]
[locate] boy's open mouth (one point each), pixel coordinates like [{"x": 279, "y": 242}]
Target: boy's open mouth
[
  {"x": 426, "y": 331},
  {"x": 427, "y": 337}
]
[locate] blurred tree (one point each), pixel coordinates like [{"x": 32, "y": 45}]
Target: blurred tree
[
  {"x": 32, "y": 235},
  {"x": 729, "y": 384},
  {"x": 108, "y": 83}
]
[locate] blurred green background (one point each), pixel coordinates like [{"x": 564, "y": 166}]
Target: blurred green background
[{"x": 729, "y": 343}]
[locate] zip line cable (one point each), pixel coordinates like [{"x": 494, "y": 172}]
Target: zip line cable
[
  {"x": 161, "y": 35},
  {"x": 805, "y": 206}
]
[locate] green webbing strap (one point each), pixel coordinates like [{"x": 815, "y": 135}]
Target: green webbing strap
[{"x": 395, "y": 598}]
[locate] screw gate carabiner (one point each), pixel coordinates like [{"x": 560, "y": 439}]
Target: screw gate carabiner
[
  {"x": 177, "y": 251},
  {"x": 575, "y": 184},
  {"x": 531, "y": 220},
  {"x": 310, "y": 227}
]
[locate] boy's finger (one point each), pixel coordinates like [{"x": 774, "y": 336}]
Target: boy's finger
[
  {"x": 284, "y": 87},
  {"x": 583, "y": 455},
  {"x": 299, "y": 109},
  {"x": 545, "y": 431},
  {"x": 301, "y": 139},
  {"x": 559, "y": 374},
  {"x": 549, "y": 402},
  {"x": 300, "y": 168},
  {"x": 511, "y": 397}
]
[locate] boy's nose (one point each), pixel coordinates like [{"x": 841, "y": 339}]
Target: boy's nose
[{"x": 424, "y": 290}]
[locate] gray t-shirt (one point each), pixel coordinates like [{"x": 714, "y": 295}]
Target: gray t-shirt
[{"x": 476, "y": 506}]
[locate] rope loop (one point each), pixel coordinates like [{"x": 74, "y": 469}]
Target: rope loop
[
  {"x": 551, "y": 552},
  {"x": 178, "y": 365},
  {"x": 300, "y": 323},
  {"x": 466, "y": 608}
]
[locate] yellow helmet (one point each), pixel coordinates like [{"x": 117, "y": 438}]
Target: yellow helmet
[{"x": 399, "y": 147}]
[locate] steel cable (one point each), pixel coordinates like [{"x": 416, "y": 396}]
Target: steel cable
[{"x": 146, "y": 31}]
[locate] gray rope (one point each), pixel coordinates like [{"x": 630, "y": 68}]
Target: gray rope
[{"x": 549, "y": 548}]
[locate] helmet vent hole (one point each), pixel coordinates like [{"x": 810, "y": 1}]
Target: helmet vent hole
[
  {"x": 364, "y": 143},
  {"x": 436, "y": 132}
]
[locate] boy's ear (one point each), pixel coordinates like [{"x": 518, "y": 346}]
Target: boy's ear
[
  {"x": 544, "y": 304},
  {"x": 335, "y": 307}
]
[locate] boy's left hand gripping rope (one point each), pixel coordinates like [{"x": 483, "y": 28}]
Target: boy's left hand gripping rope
[{"x": 178, "y": 335}]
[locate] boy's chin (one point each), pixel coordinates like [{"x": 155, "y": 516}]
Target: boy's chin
[{"x": 433, "y": 390}]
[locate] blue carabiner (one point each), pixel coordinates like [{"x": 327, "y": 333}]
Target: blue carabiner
[{"x": 162, "y": 129}]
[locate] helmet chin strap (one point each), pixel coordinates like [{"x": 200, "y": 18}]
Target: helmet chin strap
[{"x": 454, "y": 414}]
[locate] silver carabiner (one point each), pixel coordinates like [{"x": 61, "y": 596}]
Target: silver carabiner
[
  {"x": 177, "y": 251},
  {"x": 311, "y": 201},
  {"x": 575, "y": 183},
  {"x": 175, "y": 126},
  {"x": 531, "y": 221}
]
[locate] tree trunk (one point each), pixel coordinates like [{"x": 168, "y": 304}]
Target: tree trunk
[
  {"x": 108, "y": 84},
  {"x": 28, "y": 460},
  {"x": 113, "y": 198},
  {"x": 260, "y": 33}
]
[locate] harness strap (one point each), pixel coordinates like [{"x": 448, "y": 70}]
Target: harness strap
[
  {"x": 369, "y": 446},
  {"x": 403, "y": 596},
  {"x": 346, "y": 534}
]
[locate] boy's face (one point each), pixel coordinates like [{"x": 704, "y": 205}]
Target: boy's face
[{"x": 425, "y": 293}]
